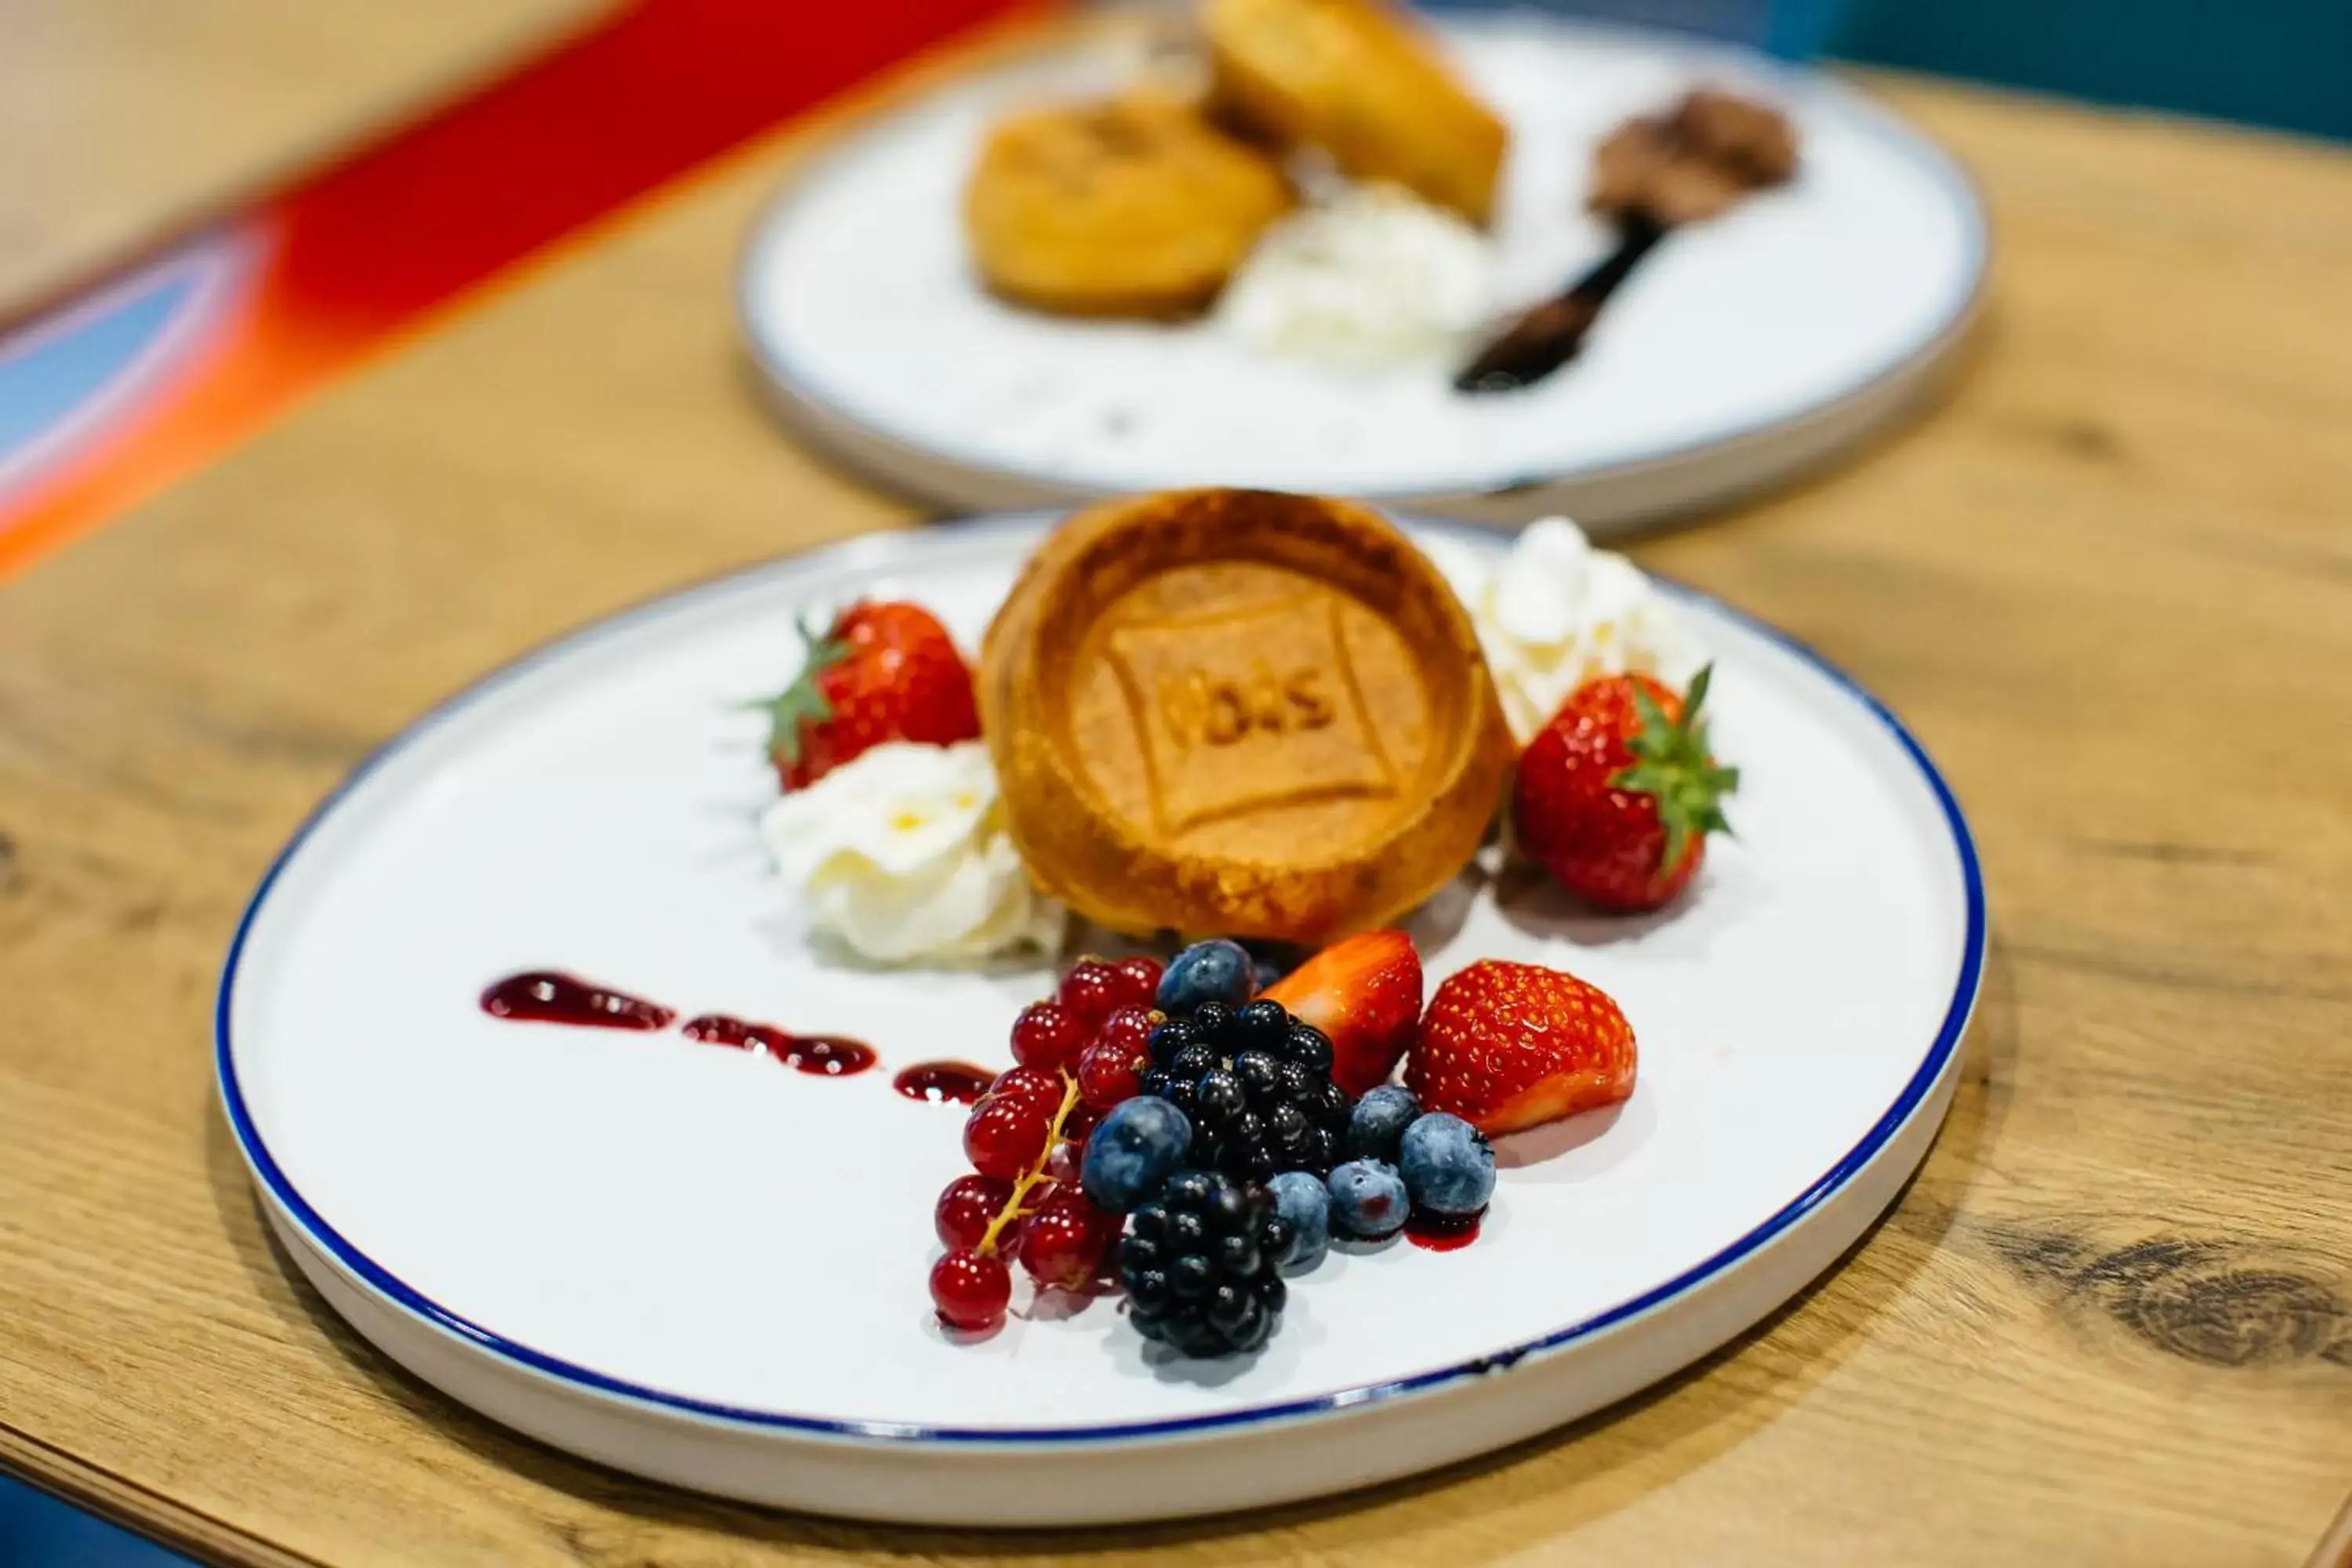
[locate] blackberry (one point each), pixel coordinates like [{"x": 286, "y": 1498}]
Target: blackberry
[
  {"x": 1255, "y": 1084},
  {"x": 1200, "y": 1263}
]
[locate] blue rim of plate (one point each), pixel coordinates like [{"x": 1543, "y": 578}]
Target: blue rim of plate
[
  {"x": 847, "y": 555},
  {"x": 786, "y": 378}
]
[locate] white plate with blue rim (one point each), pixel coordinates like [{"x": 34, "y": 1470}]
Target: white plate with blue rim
[
  {"x": 702, "y": 1266},
  {"x": 1742, "y": 352}
]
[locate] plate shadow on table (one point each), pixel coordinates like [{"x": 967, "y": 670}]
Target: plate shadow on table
[{"x": 1613, "y": 1457}]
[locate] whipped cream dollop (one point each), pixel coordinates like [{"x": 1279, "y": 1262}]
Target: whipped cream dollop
[
  {"x": 1371, "y": 279},
  {"x": 902, "y": 855},
  {"x": 1554, "y": 611}
]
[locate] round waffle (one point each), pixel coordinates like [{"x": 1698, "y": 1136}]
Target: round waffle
[
  {"x": 1134, "y": 206},
  {"x": 1238, "y": 711},
  {"x": 1359, "y": 79}
]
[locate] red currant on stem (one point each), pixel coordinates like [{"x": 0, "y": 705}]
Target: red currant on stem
[
  {"x": 966, "y": 1207},
  {"x": 1048, "y": 1035},
  {"x": 1035, "y": 1184},
  {"x": 1040, "y": 1087},
  {"x": 1012, "y": 1139},
  {"x": 1004, "y": 1138},
  {"x": 1130, "y": 1029},
  {"x": 1108, "y": 1073},
  {"x": 970, "y": 1289},
  {"x": 1078, "y": 1123},
  {"x": 1063, "y": 1245},
  {"x": 1089, "y": 991},
  {"x": 1140, "y": 980}
]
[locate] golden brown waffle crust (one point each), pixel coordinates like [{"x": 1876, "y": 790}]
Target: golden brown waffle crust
[{"x": 1126, "y": 876}]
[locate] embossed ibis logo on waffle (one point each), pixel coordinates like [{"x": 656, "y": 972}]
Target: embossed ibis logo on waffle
[{"x": 1248, "y": 710}]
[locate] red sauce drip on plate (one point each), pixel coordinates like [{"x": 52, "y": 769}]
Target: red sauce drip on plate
[
  {"x": 1442, "y": 1232},
  {"x": 944, "y": 1083},
  {"x": 826, "y": 1055},
  {"x": 547, "y": 996}
]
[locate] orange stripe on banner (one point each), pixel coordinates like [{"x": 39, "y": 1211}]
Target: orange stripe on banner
[{"x": 386, "y": 242}]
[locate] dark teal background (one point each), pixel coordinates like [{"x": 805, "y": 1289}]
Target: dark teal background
[
  {"x": 2285, "y": 63},
  {"x": 36, "y": 1531},
  {"x": 2281, "y": 63}
]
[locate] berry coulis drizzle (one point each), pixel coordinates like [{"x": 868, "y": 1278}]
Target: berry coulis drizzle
[
  {"x": 944, "y": 1083},
  {"x": 547, "y": 996},
  {"x": 826, "y": 1055},
  {"x": 550, "y": 996},
  {"x": 1442, "y": 1232}
]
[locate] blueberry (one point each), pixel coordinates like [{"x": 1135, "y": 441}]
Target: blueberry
[
  {"x": 1216, "y": 971},
  {"x": 1132, "y": 1154},
  {"x": 1306, "y": 1206},
  {"x": 1378, "y": 1124},
  {"x": 1368, "y": 1198},
  {"x": 1447, "y": 1167}
]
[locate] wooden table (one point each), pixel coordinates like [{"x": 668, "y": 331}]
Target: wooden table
[
  {"x": 2109, "y": 580},
  {"x": 122, "y": 118}
]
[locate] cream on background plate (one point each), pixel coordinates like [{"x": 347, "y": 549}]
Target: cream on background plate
[
  {"x": 698, "y": 1265},
  {"x": 1742, "y": 351}
]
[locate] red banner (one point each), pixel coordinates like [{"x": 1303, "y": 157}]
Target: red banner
[{"x": 118, "y": 393}]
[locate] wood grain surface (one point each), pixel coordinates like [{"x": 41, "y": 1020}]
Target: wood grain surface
[
  {"x": 123, "y": 118},
  {"x": 2108, "y": 580}
]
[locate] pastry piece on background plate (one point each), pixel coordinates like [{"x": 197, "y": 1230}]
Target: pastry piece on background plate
[
  {"x": 1363, "y": 82},
  {"x": 1137, "y": 205},
  {"x": 1240, "y": 711}
]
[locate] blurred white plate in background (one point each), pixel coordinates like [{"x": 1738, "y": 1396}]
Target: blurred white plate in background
[{"x": 1742, "y": 351}]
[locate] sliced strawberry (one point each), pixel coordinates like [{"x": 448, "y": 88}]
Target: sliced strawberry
[
  {"x": 1507, "y": 1046},
  {"x": 1365, "y": 993}
]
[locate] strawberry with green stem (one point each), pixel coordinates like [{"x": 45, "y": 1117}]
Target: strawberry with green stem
[
  {"x": 882, "y": 672},
  {"x": 1616, "y": 796}
]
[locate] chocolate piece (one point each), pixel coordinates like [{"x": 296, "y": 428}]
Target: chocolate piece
[{"x": 1690, "y": 164}]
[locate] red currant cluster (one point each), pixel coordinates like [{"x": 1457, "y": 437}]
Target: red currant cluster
[{"x": 1079, "y": 1054}]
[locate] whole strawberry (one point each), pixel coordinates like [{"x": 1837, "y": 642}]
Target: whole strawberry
[
  {"x": 1616, "y": 796},
  {"x": 885, "y": 671},
  {"x": 1507, "y": 1046}
]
